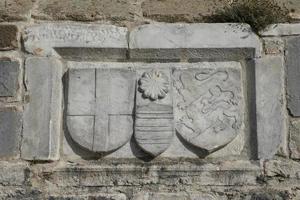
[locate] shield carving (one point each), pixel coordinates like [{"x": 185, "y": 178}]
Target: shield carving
[
  {"x": 100, "y": 106},
  {"x": 154, "y": 127},
  {"x": 208, "y": 105}
]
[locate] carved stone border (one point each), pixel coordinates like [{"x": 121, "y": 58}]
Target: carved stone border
[{"x": 159, "y": 42}]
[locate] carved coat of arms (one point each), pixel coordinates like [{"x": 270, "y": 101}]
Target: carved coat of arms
[{"x": 208, "y": 106}]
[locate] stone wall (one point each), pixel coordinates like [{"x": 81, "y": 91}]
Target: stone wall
[{"x": 128, "y": 106}]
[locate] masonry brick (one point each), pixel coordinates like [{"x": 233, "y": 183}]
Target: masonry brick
[
  {"x": 89, "y": 10},
  {"x": 8, "y": 37},
  {"x": 15, "y": 10},
  {"x": 177, "y": 10},
  {"x": 9, "y": 72}
]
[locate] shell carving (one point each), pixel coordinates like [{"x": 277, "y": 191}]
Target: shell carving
[{"x": 154, "y": 85}]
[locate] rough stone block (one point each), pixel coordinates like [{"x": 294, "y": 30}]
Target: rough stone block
[
  {"x": 45, "y": 39},
  {"x": 43, "y": 113},
  {"x": 230, "y": 173},
  {"x": 88, "y": 10},
  {"x": 270, "y": 106},
  {"x": 273, "y": 46},
  {"x": 9, "y": 73},
  {"x": 89, "y": 197},
  {"x": 10, "y": 133},
  {"x": 283, "y": 168},
  {"x": 294, "y": 143},
  {"x": 188, "y": 41},
  {"x": 179, "y": 196},
  {"x": 293, "y": 74},
  {"x": 15, "y": 10},
  {"x": 176, "y": 11},
  {"x": 12, "y": 173},
  {"x": 8, "y": 37}
]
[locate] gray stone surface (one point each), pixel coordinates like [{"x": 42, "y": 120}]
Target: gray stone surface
[
  {"x": 178, "y": 147},
  {"x": 89, "y": 197},
  {"x": 283, "y": 168},
  {"x": 282, "y": 30},
  {"x": 10, "y": 133},
  {"x": 100, "y": 107},
  {"x": 273, "y": 45},
  {"x": 9, "y": 73},
  {"x": 154, "y": 120},
  {"x": 168, "y": 41},
  {"x": 294, "y": 140},
  {"x": 293, "y": 74},
  {"x": 166, "y": 174},
  {"x": 41, "y": 39},
  {"x": 179, "y": 196},
  {"x": 13, "y": 174},
  {"x": 209, "y": 104},
  {"x": 43, "y": 113},
  {"x": 270, "y": 106}
]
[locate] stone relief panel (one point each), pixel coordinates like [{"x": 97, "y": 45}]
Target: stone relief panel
[
  {"x": 154, "y": 127},
  {"x": 160, "y": 109},
  {"x": 208, "y": 105},
  {"x": 100, "y": 106}
]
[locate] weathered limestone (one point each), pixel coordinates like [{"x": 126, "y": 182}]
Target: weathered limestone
[
  {"x": 176, "y": 11},
  {"x": 88, "y": 10},
  {"x": 282, "y": 30},
  {"x": 273, "y": 46},
  {"x": 10, "y": 133},
  {"x": 47, "y": 38},
  {"x": 283, "y": 168},
  {"x": 13, "y": 174},
  {"x": 8, "y": 37},
  {"x": 88, "y": 197},
  {"x": 293, "y": 74},
  {"x": 9, "y": 73},
  {"x": 219, "y": 102},
  {"x": 154, "y": 119},
  {"x": 193, "y": 41},
  {"x": 198, "y": 175},
  {"x": 270, "y": 106},
  {"x": 179, "y": 196},
  {"x": 294, "y": 143},
  {"x": 15, "y": 10},
  {"x": 209, "y": 104},
  {"x": 43, "y": 113},
  {"x": 100, "y": 106}
]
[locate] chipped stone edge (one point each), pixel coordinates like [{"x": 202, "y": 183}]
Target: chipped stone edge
[
  {"x": 46, "y": 46},
  {"x": 281, "y": 30},
  {"x": 184, "y": 30}
]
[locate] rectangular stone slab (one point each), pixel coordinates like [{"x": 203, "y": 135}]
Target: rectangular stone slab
[
  {"x": 191, "y": 41},
  {"x": 177, "y": 148},
  {"x": 9, "y": 72},
  {"x": 293, "y": 75},
  {"x": 270, "y": 106},
  {"x": 10, "y": 133},
  {"x": 43, "y": 113},
  {"x": 42, "y": 39}
]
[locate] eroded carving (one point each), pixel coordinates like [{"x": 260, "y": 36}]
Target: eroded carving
[
  {"x": 208, "y": 106},
  {"x": 154, "y": 127},
  {"x": 154, "y": 85},
  {"x": 100, "y": 107}
]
